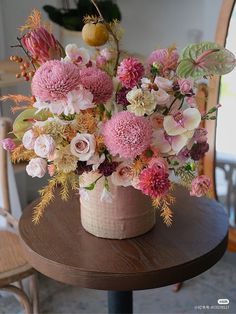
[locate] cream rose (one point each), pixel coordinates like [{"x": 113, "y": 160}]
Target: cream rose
[
  {"x": 83, "y": 146},
  {"x": 141, "y": 101},
  {"x": 44, "y": 146},
  {"x": 28, "y": 139},
  {"x": 123, "y": 175},
  {"x": 37, "y": 167}
]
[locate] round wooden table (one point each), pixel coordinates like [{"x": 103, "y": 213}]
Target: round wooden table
[{"x": 60, "y": 248}]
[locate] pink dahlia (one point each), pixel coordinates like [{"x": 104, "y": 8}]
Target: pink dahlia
[
  {"x": 54, "y": 80},
  {"x": 127, "y": 135},
  {"x": 165, "y": 57},
  {"x": 41, "y": 45},
  {"x": 98, "y": 82},
  {"x": 154, "y": 182},
  {"x": 129, "y": 72}
]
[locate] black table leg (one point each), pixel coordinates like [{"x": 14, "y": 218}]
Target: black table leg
[{"x": 120, "y": 302}]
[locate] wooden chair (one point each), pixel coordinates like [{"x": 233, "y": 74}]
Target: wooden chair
[
  {"x": 212, "y": 99},
  {"x": 13, "y": 266}
]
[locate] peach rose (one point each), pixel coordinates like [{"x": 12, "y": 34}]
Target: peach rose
[
  {"x": 29, "y": 139},
  {"x": 123, "y": 175},
  {"x": 37, "y": 167},
  {"x": 44, "y": 146},
  {"x": 83, "y": 146}
]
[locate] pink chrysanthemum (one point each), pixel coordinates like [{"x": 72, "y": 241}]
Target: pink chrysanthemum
[
  {"x": 127, "y": 135},
  {"x": 154, "y": 182},
  {"x": 165, "y": 57},
  {"x": 54, "y": 80},
  {"x": 130, "y": 72},
  {"x": 98, "y": 82}
]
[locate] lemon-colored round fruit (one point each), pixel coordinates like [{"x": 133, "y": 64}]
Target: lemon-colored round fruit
[{"x": 95, "y": 34}]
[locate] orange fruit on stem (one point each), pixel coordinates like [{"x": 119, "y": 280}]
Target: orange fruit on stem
[{"x": 95, "y": 34}]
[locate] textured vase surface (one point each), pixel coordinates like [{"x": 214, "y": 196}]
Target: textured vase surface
[{"x": 130, "y": 213}]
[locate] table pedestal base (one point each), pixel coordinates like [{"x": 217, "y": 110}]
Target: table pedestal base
[{"x": 120, "y": 302}]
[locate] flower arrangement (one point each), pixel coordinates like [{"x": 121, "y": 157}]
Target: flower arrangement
[{"x": 135, "y": 123}]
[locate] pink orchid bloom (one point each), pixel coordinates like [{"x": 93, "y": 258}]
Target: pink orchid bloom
[
  {"x": 80, "y": 56},
  {"x": 182, "y": 122},
  {"x": 169, "y": 144}
]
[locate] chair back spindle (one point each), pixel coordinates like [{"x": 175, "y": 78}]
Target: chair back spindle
[{"x": 4, "y": 184}]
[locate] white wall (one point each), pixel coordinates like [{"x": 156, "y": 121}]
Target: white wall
[{"x": 150, "y": 24}]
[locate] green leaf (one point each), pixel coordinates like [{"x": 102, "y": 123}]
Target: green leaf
[
  {"x": 24, "y": 120},
  {"x": 90, "y": 187},
  {"x": 205, "y": 59}
]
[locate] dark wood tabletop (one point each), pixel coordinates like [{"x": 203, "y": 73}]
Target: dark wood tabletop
[{"x": 60, "y": 248}]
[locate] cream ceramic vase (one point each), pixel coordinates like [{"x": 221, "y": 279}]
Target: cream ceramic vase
[{"x": 130, "y": 213}]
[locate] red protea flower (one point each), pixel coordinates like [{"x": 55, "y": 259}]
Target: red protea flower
[{"x": 41, "y": 45}]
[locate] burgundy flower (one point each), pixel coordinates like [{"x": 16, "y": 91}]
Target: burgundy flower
[
  {"x": 82, "y": 167},
  {"x": 107, "y": 167},
  {"x": 121, "y": 96},
  {"x": 198, "y": 150}
]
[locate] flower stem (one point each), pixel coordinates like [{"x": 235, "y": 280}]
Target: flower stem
[
  {"x": 116, "y": 40},
  {"x": 25, "y": 51}
]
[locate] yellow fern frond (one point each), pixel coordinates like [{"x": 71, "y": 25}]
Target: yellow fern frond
[
  {"x": 166, "y": 212},
  {"x": 65, "y": 181},
  {"x": 18, "y": 108},
  {"x": 33, "y": 21},
  {"x": 21, "y": 154},
  {"x": 17, "y": 99},
  {"x": 137, "y": 166},
  {"x": 47, "y": 196}
]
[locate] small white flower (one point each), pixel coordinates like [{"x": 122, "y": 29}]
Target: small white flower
[
  {"x": 162, "y": 97},
  {"x": 80, "y": 99},
  {"x": 145, "y": 83},
  {"x": 163, "y": 83},
  {"x": 106, "y": 196},
  {"x": 135, "y": 183},
  {"x": 83, "y": 146},
  {"x": 84, "y": 194},
  {"x": 41, "y": 105},
  {"x": 96, "y": 161}
]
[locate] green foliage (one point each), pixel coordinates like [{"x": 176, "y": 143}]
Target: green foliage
[
  {"x": 205, "y": 59},
  {"x": 23, "y": 121},
  {"x": 72, "y": 19}
]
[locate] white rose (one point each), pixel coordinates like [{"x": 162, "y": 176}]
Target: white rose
[
  {"x": 83, "y": 146},
  {"x": 163, "y": 83},
  {"x": 44, "y": 146},
  {"x": 28, "y": 139},
  {"x": 162, "y": 96},
  {"x": 123, "y": 175},
  {"x": 37, "y": 167}
]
